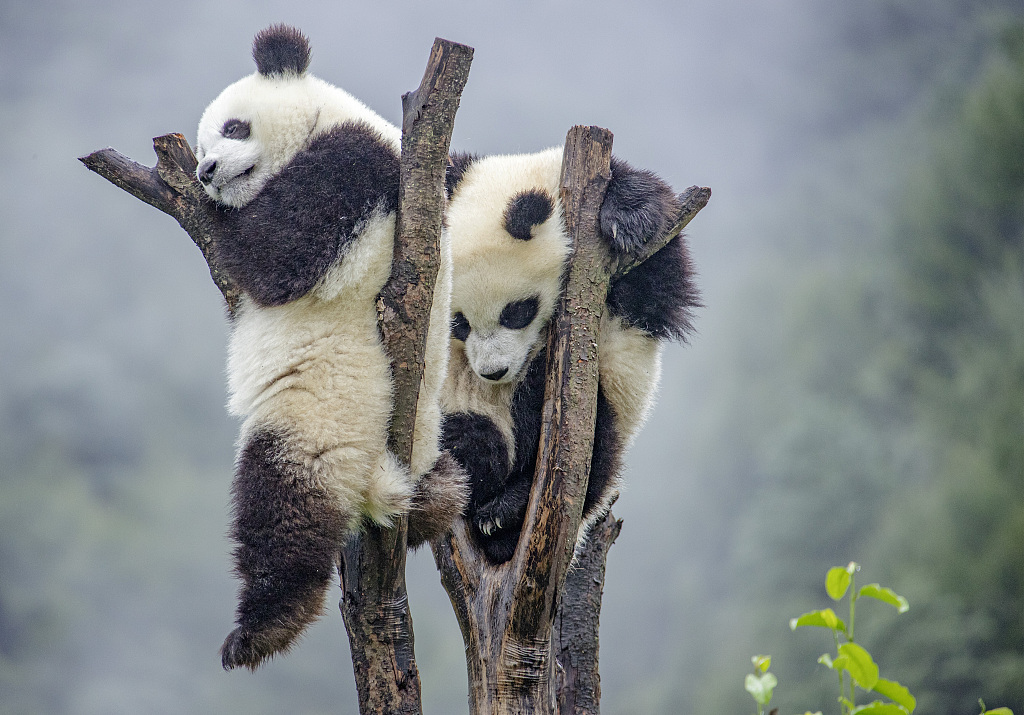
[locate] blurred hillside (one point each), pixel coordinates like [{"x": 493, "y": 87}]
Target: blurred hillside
[{"x": 855, "y": 391}]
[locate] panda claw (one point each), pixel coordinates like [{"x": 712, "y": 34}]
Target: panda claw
[{"x": 497, "y": 523}]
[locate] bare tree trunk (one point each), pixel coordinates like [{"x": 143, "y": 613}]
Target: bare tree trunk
[
  {"x": 375, "y": 605},
  {"x": 578, "y": 681}
]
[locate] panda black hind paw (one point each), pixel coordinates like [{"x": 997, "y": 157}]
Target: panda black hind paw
[{"x": 240, "y": 649}]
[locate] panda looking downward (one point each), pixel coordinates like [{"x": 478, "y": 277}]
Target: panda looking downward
[
  {"x": 509, "y": 252},
  {"x": 306, "y": 182}
]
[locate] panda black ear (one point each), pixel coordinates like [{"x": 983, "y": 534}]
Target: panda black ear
[
  {"x": 280, "y": 49},
  {"x": 526, "y": 210}
]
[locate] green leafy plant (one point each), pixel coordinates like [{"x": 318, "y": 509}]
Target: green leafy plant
[
  {"x": 760, "y": 684},
  {"x": 852, "y": 663}
]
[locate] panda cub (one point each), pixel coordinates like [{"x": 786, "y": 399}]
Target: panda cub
[
  {"x": 509, "y": 252},
  {"x": 305, "y": 179}
]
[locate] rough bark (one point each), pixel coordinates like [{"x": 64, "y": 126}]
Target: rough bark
[
  {"x": 171, "y": 187},
  {"x": 577, "y": 622},
  {"x": 374, "y": 605}
]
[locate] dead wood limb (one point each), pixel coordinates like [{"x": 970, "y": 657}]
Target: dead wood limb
[
  {"x": 575, "y": 644},
  {"x": 171, "y": 187},
  {"x": 375, "y": 604}
]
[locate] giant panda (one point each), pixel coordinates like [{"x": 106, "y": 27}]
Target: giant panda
[
  {"x": 509, "y": 253},
  {"x": 305, "y": 182}
]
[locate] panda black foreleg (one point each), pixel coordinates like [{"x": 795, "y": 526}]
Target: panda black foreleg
[{"x": 289, "y": 532}]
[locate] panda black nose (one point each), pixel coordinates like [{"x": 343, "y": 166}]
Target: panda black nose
[
  {"x": 496, "y": 375},
  {"x": 206, "y": 170}
]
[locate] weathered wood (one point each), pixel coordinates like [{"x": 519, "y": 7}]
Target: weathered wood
[
  {"x": 693, "y": 200},
  {"x": 427, "y": 122},
  {"x": 576, "y": 641},
  {"x": 375, "y": 604},
  {"x": 171, "y": 187}
]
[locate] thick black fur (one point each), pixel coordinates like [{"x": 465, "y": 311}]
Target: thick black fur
[
  {"x": 279, "y": 49},
  {"x": 458, "y": 162},
  {"x": 526, "y": 210},
  {"x": 288, "y": 531},
  {"x": 279, "y": 246},
  {"x": 659, "y": 296},
  {"x": 500, "y": 495},
  {"x": 638, "y": 206}
]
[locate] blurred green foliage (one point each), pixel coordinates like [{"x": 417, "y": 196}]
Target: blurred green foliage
[{"x": 896, "y": 430}]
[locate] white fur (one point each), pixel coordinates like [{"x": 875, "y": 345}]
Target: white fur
[{"x": 314, "y": 369}]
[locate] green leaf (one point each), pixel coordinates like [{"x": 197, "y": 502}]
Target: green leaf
[
  {"x": 873, "y": 590},
  {"x": 837, "y": 582},
  {"x": 762, "y": 663},
  {"x": 998, "y": 711},
  {"x": 859, "y": 664},
  {"x": 825, "y": 619},
  {"x": 896, "y": 692},
  {"x": 879, "y": 708},
  {"x": 761, "y": 687},
  {"x": 826, "y": 660}
]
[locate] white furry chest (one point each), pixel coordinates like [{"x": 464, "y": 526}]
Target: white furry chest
[{"x": 328, "y": 348}]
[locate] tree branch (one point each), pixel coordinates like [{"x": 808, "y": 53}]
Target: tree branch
[
  {"x": 171, "y": 187},
  {"x": 576, "y": 625},
  {"x": 375, "y": 603}
]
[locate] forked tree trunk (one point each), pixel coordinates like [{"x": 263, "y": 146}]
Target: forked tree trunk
[{"x": 518, "y": 660}]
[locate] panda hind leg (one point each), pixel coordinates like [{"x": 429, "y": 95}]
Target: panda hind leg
[
  {"x": 289, "y": 532},
  {"x": 441, "y": 495}
]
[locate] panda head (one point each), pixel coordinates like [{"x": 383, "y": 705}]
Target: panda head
[
  {"x": 256, "y": 125},
  {"x": 509, "y": 249}
]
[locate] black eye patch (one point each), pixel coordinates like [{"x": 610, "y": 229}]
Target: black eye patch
[
  {"x": 235, "y": 129},
  {"x": 460, "y": 327},
  {"x": 525, "y": 211},
  {"x": 517, "y": 315}
]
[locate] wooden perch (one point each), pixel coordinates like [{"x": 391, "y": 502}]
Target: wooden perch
[
  {"x": 374, "y": 605},
  {"x": 170, "y": 186}
]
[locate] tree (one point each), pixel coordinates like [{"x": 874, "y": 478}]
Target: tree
[{"x": 507, "y": 613}]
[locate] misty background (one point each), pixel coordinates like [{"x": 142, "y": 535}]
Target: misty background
[{"x": 855, "y": 392}]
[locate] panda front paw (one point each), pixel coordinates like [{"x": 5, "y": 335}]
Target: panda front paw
[{"x": 638, "y": 207}]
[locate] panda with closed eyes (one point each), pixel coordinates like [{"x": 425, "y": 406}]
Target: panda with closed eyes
[
  {"x": 509, "y": 253},
  {"x": 305, "y": 182}
]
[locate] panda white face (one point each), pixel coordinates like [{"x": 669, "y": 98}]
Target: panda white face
[
  {"x": 508, "y": 251},
  {"x": 499, "y": 344},
  {"x": 251, "y": 131}
]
